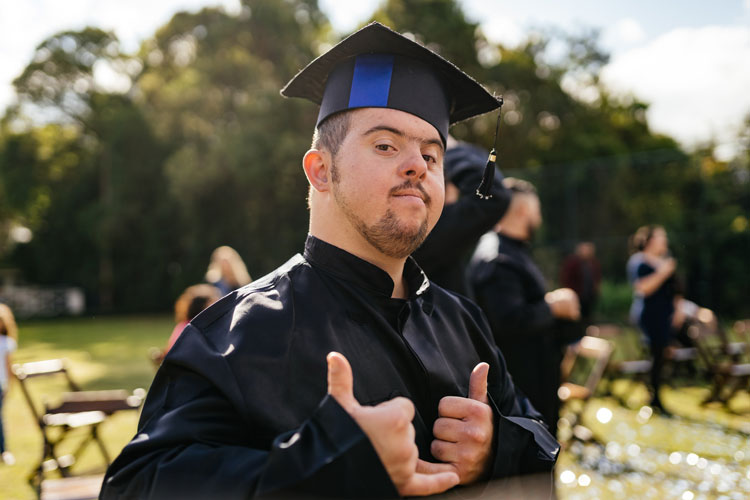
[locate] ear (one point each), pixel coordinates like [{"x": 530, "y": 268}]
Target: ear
[{"x": 316, "y": 164}]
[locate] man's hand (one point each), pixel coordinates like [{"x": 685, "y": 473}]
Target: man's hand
[
  {"x": 564, "y": 304},
  {"x": 388, "y": 427},
  {"x": 465, "y": 429}
]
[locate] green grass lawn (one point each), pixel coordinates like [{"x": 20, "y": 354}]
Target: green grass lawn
[
  {"x": 103, "y": 353},
  {"x": 704, "y": 452}
]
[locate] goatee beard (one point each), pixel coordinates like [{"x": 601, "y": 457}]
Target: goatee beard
[{"x": 389, "y": 236}]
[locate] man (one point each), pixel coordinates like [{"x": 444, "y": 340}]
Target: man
[
  {"x": 582, "y": 273},
  {"x": 465, "y": 217},
  {"x": 345, "y": 372},
  {"x": 510, "y": 288}
]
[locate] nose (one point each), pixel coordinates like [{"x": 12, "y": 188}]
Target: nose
[{"x": 414, "y": 166}]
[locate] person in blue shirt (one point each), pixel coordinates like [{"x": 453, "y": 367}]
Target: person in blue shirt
[{"x": 651, "y": 271}]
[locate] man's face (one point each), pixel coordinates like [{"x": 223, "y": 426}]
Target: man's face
[
  {"x": 388, "y": 179},
  {"x": 533, "y": 213}
]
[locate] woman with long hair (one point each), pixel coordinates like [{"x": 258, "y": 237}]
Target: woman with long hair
[
  {"x": 651, "y": 271},
  {"x": 226, "y": 270}
]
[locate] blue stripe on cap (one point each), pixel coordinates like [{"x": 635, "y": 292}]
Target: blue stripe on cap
[{"x": 371, "y": 81}]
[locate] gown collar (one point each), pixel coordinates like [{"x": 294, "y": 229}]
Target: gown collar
[
  {"x": 351, "y": 268},
  {"x": 523, "y": 244}
]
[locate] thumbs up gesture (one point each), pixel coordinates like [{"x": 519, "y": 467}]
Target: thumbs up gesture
[
  {"x": 465, "y": 429},
  {"x": 388, "y": 427}
]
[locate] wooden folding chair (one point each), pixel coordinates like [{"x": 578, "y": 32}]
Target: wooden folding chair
[
  {"x": 582, "y": 369},
  {"x": 75, "y": 409},
  {"x": 727, "y": 363},
  {"x": 741, "y": 345},
  {"x": 634, "y": 368}
]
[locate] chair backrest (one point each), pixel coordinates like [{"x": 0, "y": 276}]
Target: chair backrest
[
  {"x": 741, "y": 329},
  {"x": 583, "y": 367},
  {"x": 71, "y": 398},
  {"x": 48, "y": 368},
  {"x": 604, "y": 330},
  {"x": 709, "y": 338}
]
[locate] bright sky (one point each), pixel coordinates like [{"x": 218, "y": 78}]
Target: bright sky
[{"x": 689, "y": 58}]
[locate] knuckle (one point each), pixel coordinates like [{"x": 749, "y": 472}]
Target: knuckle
[
  {"x": 443, "y": 405},
  {"x": 400, "y": 422},
  {"x": 405, "y": 408},
  {"x": 406, "y": 454},
  {"x": 439, "y": 426},
  {"x": 480, "y": 410},
  {"x": 477, "y": 435},
  {"x": 468, "y": 455},
  {"x": 436, "y": 448}
]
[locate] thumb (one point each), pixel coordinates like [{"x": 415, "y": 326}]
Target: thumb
[
  {"x": 478, "y": 383},
  {"x": 341, "y": 381}
]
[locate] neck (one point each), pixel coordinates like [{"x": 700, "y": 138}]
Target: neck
[
  {"x": 352, "y": 242},
  {"x": 512, "y": 229}
]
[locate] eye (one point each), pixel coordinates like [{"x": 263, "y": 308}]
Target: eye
[
  {"x": 429, "y": 158},
  {"x": 384, "y": 147}
]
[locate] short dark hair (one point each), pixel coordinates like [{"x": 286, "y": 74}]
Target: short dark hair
[{"x": 331, "y": 133}]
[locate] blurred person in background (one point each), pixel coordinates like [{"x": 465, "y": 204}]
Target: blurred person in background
[
  {"x": 530, "y": 325},
  {"x": 8, "y": 344},
  {"x": 465, "y": 218},
  {"x": 192, "y": 301},
  {"x": 652, "y": 274},
  {"x": 581, "y": 272},
  {"x": 226, "y": 270}
]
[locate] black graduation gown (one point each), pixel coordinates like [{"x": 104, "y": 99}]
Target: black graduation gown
[
  {"x": 239, "y": 407},
  {"x": 510, "y": 289},
  {"x": 445, "y": 252}
]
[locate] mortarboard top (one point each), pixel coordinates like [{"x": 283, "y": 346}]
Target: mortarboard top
[{"x": 378, "y": 67}]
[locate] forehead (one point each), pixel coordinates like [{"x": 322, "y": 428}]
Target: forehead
[{"x": 364, "y": 119}]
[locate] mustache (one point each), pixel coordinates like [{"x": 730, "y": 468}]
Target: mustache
[{"x": 408, "y": 184}]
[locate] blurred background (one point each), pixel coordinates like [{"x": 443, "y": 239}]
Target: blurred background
[
  {"x": 136, "y": 137},
  {"x": 117, "y": 160}
]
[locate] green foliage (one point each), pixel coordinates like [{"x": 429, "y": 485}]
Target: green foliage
[
  {"x": 128, "y": 190},
  {"x": 234, "y": 165},
  {"x": 614, "y": 301}
]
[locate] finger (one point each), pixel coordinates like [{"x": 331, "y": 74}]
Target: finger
[
  {"x": 429, "y": 484},
  {"x": 400, "y": 404},
  {"x": 478, "y": 383},
  {"x": 448, "y": 429},
  {"x": 341, "y": 381},
  {"x": 455, "y": 407},
  {"x": 445, "y": 451},
  {"x": 425, "y": 467}
]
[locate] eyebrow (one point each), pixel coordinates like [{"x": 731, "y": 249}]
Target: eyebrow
[{"x": 400, "y": 133}]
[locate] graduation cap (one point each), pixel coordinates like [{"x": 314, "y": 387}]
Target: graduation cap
[{"x": 378, "y": 67}]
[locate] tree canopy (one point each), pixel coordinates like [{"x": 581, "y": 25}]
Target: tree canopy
[{"x": 129, "y": 169}]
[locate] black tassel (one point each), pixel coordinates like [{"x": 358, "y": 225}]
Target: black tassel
[{"x": 483, "y": 191}]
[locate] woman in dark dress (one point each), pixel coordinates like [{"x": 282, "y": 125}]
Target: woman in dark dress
[{"x": 652, "y": 275}]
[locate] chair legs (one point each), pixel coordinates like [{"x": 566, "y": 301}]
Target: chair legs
[{"x": 51, "y": 460}]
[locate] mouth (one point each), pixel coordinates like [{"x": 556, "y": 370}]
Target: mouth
[
  {"x": 410, "y": 191},
  {"x": 409, "y": 194}
]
